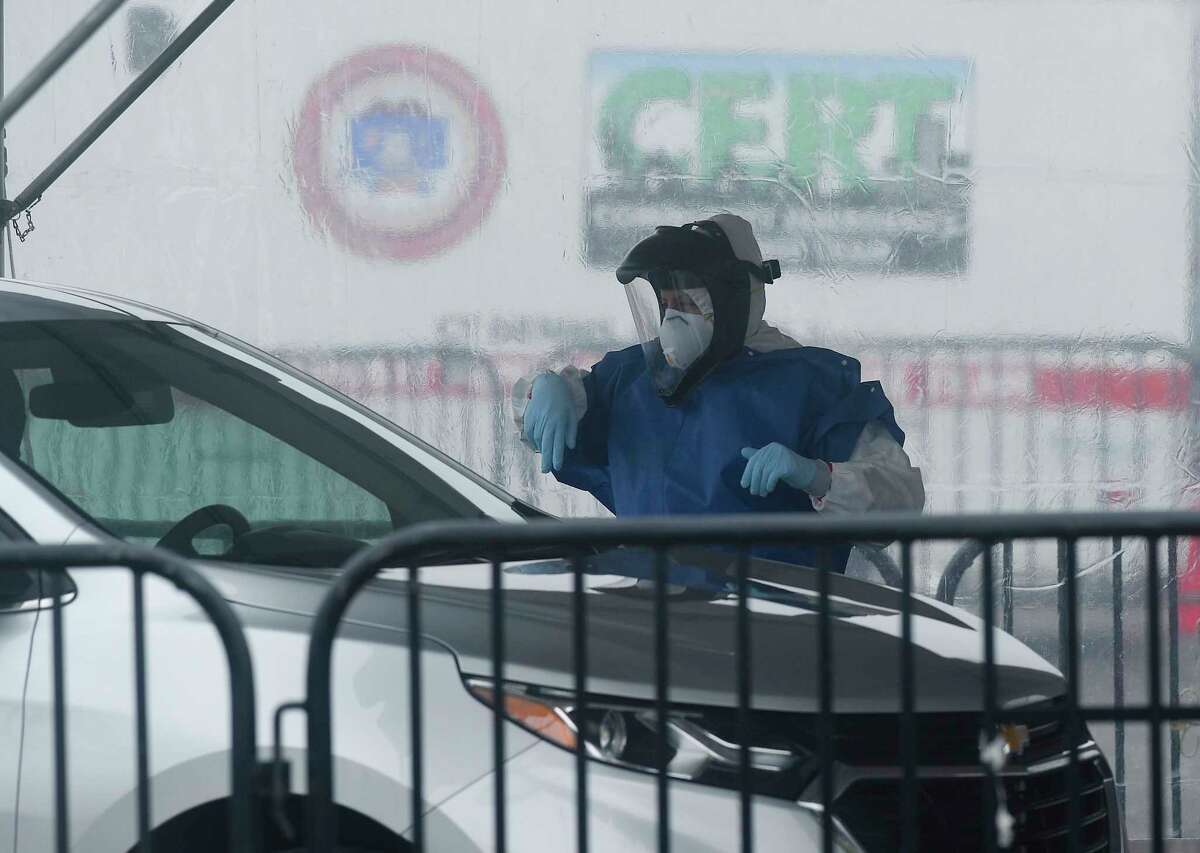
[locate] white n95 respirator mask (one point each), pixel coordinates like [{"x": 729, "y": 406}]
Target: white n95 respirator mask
[{"x": 684, "y": 337}]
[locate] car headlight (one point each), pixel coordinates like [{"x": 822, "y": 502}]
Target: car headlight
[{"x": 701, "y": 745}]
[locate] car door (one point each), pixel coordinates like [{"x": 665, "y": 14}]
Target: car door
[{"x": 17, "y": 618}]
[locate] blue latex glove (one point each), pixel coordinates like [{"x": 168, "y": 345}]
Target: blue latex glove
[
  {"x": 550, "y": 422},
  {"x": 768, "y": 465}
]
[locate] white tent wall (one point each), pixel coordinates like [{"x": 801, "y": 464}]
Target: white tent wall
[{"x": 1077, "y": 125}]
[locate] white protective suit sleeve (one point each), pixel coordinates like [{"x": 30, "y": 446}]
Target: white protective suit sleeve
[
  {"x": 523, "y": 388},
  {"x": 877, "y": 476}
]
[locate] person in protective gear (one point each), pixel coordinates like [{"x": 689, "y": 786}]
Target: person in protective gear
[{"x": 714, "y": 410}]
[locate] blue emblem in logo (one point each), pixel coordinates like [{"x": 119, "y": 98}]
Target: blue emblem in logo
[
  {"x": 398, "y": 152},
  {"x": 398, "y": 147}
]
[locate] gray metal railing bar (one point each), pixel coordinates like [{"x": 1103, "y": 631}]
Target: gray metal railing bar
[
  {"x": 1119, "y": 663},
  {"x": 1009, "y": 571},
  {"x": 1155, "y": 694},
  {"x": 1062, "y": 595},
  {"x": 1071, "y": 660},
  {"x": 744, "y": 688},
  {"x": 1173, "y": 683},
  {"x": 989, "y": 697},
  {"x": 1103, "y": 431},
  {"x": 825, "y": 732},
  {"x": 662, "y": 678},
  {"x": 996, "y": 444},
  {"x": 498, "y": 703},
  {"x": 952, "y": 345},
  {"x": 141, "y": 561},
  {"x": 1070, "y": 415},
  {"x": 959, "y": 437},
  {"x": 1142, "y": 417},
  {"x": 1103, "y": 714},
  {"x": 958, "y": 564},
  {"x": 882, "y": 562},
  {"x": 579, "y": 632},
  {"x": 926, "y": 428},
  {"x": 1140, "y": 431},
  {"x": 143, "y": 734},
  {"x": 910, "y": 831},
  {"x": 957, "y": 568},
  {"x": 61, "y": 805},
  {"x": 279, "y": 771},
  {"x": 119, "y": 105},
  {"x": 1033, "y": 431},
  {"x": 416, "y": 717},
  {"x": 57, "y": 57}
]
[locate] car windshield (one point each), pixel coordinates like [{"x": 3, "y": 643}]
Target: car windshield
[{"x": 165, "y": 436}]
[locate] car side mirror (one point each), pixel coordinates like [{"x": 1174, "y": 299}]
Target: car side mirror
[{"x": 22, "y": 590}]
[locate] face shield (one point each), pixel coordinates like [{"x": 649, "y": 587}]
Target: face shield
[{"x": 674, "y": 322}]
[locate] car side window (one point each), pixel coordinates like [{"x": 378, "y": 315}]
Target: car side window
[{"x": 138, "y": 480}]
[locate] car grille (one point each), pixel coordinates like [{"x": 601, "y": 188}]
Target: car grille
[
  {"x": 942, "y": 739},
  {"x": 950, "y": 811},
  {"x": 867, "y": 749},
  {"x": 1040, "y": 804}
]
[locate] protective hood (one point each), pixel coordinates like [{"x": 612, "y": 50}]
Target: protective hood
[
  {"x": 695, "y": 256},
  {"x": 761, "y": 336}
]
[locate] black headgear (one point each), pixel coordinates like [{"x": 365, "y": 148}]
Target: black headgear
[{"x": 701, "y": 248}]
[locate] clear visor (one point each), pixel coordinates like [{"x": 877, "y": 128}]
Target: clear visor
[{"x": 674, "y": 326}]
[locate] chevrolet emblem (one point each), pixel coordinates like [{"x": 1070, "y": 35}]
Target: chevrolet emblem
[{"x": 1016, "y": 737}]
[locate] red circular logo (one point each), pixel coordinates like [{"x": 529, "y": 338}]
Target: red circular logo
[{"x": 398, "y": 152}]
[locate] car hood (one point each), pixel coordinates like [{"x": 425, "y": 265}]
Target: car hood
[{"x": 456, "y": 607}]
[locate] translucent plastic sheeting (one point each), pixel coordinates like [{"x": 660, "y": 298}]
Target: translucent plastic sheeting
[{"x": 990, "y": 204}]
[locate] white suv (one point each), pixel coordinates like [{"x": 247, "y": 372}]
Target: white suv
[{"x": 119, "y": 420}]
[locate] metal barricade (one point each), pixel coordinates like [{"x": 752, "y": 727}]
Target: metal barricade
[
  {"x": 573, "y": 540},
  {"x": 969, "y": 556},
  {"x": 141, "y": 562}
]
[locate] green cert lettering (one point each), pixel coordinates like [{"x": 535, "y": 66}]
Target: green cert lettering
[
  {"x": 620, "y": 111},
  {"x": 721, "y": 129}
]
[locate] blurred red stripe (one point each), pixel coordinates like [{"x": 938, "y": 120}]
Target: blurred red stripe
[{"x": 1112, "y": 388}]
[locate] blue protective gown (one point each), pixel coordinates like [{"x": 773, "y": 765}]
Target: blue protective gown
[{"x": 638, "y": 456}]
